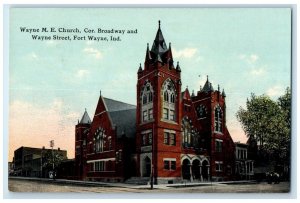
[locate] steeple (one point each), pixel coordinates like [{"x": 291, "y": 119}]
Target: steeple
[
  {"x": 207, "y": 87},
  {"x": 178, "y": 67},
  {"x": 85, "y": 118},
  {"x": 148, "y": 55},
  {"x": 140, "y": 68},
  {"x": 159, "y": 46},
  {"x": 223, "y": 93}
]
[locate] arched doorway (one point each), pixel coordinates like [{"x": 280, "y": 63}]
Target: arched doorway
[
  {"x": 186, "y": 169},
  {"x": 196, "y": 169},
  {"x": 205, "y": 170},
  {"x": 147, "y": 167}
]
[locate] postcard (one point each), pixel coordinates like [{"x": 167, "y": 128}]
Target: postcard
[{"x": 150, "y": 100}]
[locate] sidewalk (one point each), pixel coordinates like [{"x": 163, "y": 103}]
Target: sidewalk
[{"x": 124, "y": 185}]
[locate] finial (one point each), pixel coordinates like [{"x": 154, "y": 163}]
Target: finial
[
  {"x": 100, "y": 92},
  {"x": 169, "y": 45},
  {"x": 187, "y": 87},
  {"x": 200, "y": 87},
  {"x": 207, "y": 77},
  {"x": 147, "y": 45},
  {"x": 78, "y": 121},
  {"x": 159, "y": 24},
  {"x": 140, "y": 65},
  {"x": 85, "y": 109},
  {"x": 218, "y": 88},
  {"x": 177, "y": 63}
]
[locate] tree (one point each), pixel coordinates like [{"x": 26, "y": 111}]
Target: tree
[
  {"x": 268, "y": 122},
  {"x": 49, "y": 161}
]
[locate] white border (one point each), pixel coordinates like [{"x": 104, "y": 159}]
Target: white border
[{"x": 153, "y": 3}]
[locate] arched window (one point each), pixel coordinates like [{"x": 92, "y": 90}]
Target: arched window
[
  {"x": 169, "y": 95},
  {"x": 99, "y": 140},
  {"x": 201, "y": 111},
  {"x": 147, "y": 102},
  {"x": 218, "y": 119},
  {"x": 187, "y": 133}
]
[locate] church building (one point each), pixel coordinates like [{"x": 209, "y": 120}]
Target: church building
[{"x": 170, "y": 134}]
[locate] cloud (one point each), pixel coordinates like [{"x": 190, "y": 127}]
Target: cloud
[
  {"x": 250, "y": 58},
  {"x": 276, "y": 90},
  {"x": 94, "y": 52},
  {"x": 258, "y": 71},
  {"x": 82, "y": 73},
  {"x": 184, "y": 53}
]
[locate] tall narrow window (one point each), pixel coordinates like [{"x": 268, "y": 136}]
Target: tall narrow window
[
  {"x": 145, "y": 115},
  {"x": 166, "y": 138},
  {"x": 169, "y": 100},
  {"x": 147, "y": 102},
  {"x": 150, "y": 114},
  {"x": 187, "y": 133},
  {"x": 150, "y": 138},
  {"x": 99, "y": 140},
  {"x": 166, "y": 113},
  {"x": 218, "y": 119},
  {"x": 172, "y": 139}
]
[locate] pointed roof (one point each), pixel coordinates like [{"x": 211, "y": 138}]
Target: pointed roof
[
  {"x": 207, "y": 87},
  {"x": 223, "y": 93},
  {"x": 178, "y": 67},
  {"x": 140, "y": 68},
  {"x": 85, "y": 118},
  {"x": 186, "y": 94},
  {"x": 159, "y": 46}
]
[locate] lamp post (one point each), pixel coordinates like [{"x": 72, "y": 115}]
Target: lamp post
[
  {"x": 42, "y": 161},
  {"x": 52, "y": 145}
]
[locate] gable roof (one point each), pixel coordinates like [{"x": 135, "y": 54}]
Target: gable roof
[
  {"x": 125, "y": 121},
  {"x": 113, "y": 105},
  {"x": 123, "y": 116}
]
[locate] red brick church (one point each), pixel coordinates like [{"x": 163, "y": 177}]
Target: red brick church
[{"x": 171, "y": 134}]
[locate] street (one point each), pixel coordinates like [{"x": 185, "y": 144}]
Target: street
[{"x": 22, "y": 185}]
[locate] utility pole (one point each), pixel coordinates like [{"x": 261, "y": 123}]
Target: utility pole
[{"x": 52, "y": 145}]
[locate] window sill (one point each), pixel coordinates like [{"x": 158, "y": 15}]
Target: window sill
[{"x": 168, "y": 121}]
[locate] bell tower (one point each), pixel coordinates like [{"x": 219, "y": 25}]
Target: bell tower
[{"x": 158, "y": 113}]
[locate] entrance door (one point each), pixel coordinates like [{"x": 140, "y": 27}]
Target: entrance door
[
  {"x": 205, "y": 170},
  {"x": 147, "y": 167},
  {"x": 186, "y": 170},
  {"x": 196, "y": 169}
]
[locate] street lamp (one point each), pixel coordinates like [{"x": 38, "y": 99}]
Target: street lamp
[{"x": 42, "y": 161}]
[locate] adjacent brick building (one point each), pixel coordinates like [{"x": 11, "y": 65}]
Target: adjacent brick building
[{"x": 171, "y": 134}]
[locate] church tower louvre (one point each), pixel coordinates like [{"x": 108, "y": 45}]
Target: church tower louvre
[{"x": 158, "y": 119}]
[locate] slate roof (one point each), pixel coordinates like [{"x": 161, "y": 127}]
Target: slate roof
[
  {"x": 113, "y": 105},
  {"x": 123, "y": 116},
  {"x": 125, "y": 122},
  {"x": 159, "y": 46},
  {"x": 85, "y": 118},
  {"x": 207, "y": 87}
]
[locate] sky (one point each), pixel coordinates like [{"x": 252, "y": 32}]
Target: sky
[{"x": 51, "y": 82}]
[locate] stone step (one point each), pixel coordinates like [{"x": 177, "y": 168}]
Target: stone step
[{"x": 138, "y": 180}]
